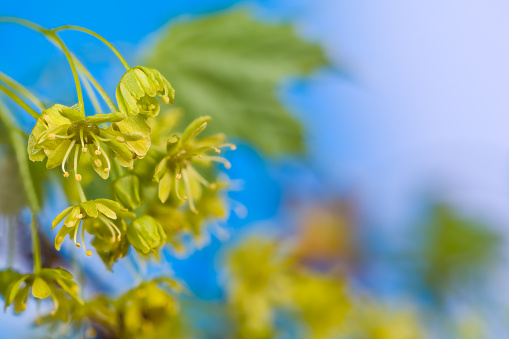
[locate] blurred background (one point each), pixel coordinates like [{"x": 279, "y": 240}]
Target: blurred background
[{"x": 371, "y": 179}]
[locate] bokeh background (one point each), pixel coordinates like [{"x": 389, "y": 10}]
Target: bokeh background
[{"x": 401, "y": 183}]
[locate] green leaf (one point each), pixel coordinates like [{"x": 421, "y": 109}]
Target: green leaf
[
  {"x": 40, "y": 289},
  {"x": 230, "y": 66}
]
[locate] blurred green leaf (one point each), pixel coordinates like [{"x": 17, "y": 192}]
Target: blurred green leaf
[
  {"x": 229, "y": 66},
  {"x": 456, "y": 248}
]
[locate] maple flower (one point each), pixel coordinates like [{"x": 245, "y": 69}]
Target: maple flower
[
  {"x": 104, "y": 210},
  {"x": 184, "y": 151},
  {"x": 61, "y": 128},
  {"x": 138, "y": 90}
]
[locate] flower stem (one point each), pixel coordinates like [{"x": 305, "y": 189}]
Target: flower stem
[
  {"x": 94, "y": 34},
  {"x": 50, "y": 34},
  {"x": 20, "y": 102},
  {"x": 11, "y": 240},
  {"x": 83, "y": 198},
  {"x": 35, "y": 244},
  {"x": 20, "y": 89}
]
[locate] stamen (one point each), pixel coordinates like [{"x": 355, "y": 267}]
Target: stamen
[
  {"x": 189, "y": 193},
  {"x": 75, "y": 234},
  {"x": 112, "y": 227},
  {"x": 198, "y": 176},
  {"x": 120, "y": 139},
  {"x": 55, "y": 303},
  {"x": 84, "y": 150},
  {"x": 97, "y": 152},
  {"x": 66, "y": 174},
  {"x": 76, "y": 152},
  {"x": 178, "y": 176},
  {"x": 51, "y": 136},
  {"x": 98, "y": 162},
  {"x": 222, "y": 160},
  {"x": 176, "y": 184},
  {"x": 152, "y": 106},
  {"x": 165, "y": 99},
  {"x": 232, "y": 146},
  {"x": 89, "y": 252},
  {"x": 217, "y": 150},
  {"x": 200, "y": 156},
  {"x": 81, "y": 138}
]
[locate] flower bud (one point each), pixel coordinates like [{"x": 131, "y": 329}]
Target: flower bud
[
  {"x": 127, "y": 191},
  {"x": 145, "y": 234}
]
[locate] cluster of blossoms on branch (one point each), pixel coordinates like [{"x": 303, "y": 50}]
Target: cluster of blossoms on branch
[{"x": 162, "y": 184}]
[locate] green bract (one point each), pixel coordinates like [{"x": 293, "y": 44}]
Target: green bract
[
  {"x": 47, "y": 282},
  {"x": 60, "y": 128},
  {"x": 146, "y": 235},
  {"x": 138, "y": 90},
  {"x": 182, "y": 152},
  {"x": 104, "y": 210}
]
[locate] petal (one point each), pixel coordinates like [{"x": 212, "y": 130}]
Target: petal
[
  {"x": 165, "y": 187},
  {"x": 195, "y": 128},
  {"x": 72, "y": 114},
  {"x": 148, "y": 85},
  {"x": 103, "y": 118},
  {"x": 106, "y": 211},
  {"x": 57, "y": 156},
  {"x": 58, "y": 219},
  {"x": 90, "y": 208},
  {"x": 72, "y": 218},
  {"x": 99, "y": 162},
  {"x": 40, "y": 289}
]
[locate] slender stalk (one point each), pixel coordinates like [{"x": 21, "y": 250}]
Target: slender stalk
[
  {"x": 11, "y": 249},
  {"x": 35, "y": 244},
  {"x": 98, "y": 87},
  {"x": 75, "y": 75},
  {"x": 50, "y": 34},
  {"x": 91, "y": 94},
  {"x": 83, "y": 198},
  {"x": 21, "y": 89},
  {"x": 20, "y": 102},
  {"x": 94, "y": 34}
]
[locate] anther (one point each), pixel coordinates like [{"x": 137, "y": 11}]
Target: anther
[
  {"x": 185, "y": 197},
  {"x": 120, "y": 139},
  {"x": 106, "y": 170},
  {"x": 213, "y": 186},
  {"x": 98, "y": 162},
  {"x": 152, "y": 106},
  {"x": 178, "y": 176},
  {"x": 165, "y": 99},
  {"x": 52, "y": 136},
  {"x": 77, "y": 177},
  {"x": 233, "y": 147},
  {"x": 200, "y": 156},
  {"x": 217, "y": 150},
  {"x": 97, "y": 152},
  {"x": 84, "y": 150},
  {"x": 79, "y": 216},
  {"x": 89, "y": 253},
  {"x": 66, "y": 174},
  {"x": 78, "y": 244}
]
